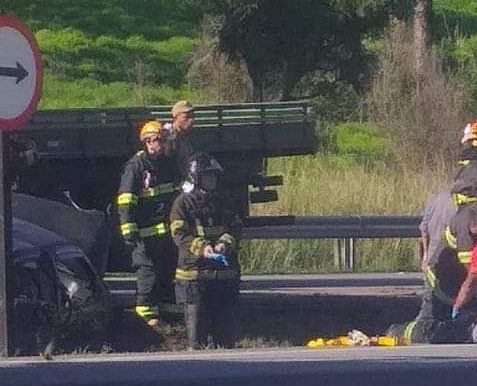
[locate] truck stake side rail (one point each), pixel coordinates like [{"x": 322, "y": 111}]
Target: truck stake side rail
[{"x": 270, "y": 129}]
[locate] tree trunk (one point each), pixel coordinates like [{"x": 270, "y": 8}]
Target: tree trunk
[
  {"x": 256, "y": 76},
  {"x": 421, "y": 35}
]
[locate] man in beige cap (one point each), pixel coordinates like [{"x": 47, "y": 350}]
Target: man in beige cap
[
  {"x": 182, "y": 115},
  {"x": 182, "y": 121}
]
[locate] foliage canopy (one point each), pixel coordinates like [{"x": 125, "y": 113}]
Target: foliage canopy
[{"x": 290, "y": 39}]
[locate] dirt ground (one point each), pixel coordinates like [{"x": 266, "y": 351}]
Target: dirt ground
[{"x": 283, "y": 317}]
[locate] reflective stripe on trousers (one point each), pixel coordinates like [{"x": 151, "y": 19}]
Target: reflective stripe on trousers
[
  {"x": 433, "y": 282},
  {"x": 185, "y": 274},
  {"x": 408, "y": 330}
]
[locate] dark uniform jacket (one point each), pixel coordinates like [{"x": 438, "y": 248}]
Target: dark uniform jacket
[
  {"x": 463, "y": 227},
  {"x": 197, "y": 221},
  {"x": 145, "y": 195}
]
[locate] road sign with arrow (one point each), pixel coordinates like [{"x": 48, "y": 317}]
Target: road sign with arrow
[
  {"x": 20, "y": 73},
  {"x": 17, "y": 72}
]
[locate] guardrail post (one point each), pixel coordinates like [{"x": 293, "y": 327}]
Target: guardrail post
[
  {"x": 344, "y": 254},
  {"x": 220, "y": 115}
]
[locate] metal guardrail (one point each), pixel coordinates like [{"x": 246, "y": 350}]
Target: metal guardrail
[
  {"x": 345, "y": 229},
  {"x": 346, "y": 226}
]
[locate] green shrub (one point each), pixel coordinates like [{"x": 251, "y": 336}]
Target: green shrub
[{"x": 364, "y": 141}]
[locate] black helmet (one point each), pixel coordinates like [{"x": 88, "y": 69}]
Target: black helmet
[{"x": 200, "y": 164}]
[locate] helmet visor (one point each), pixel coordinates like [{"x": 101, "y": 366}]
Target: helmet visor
[{"x": 208, "y": 181}]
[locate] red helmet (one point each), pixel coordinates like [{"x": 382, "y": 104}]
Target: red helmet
[{"x": 470, "y": 131}]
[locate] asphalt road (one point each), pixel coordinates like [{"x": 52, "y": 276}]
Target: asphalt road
[
  {"x": 372, "y": 366},
  {"x": 416, "y": 365}
]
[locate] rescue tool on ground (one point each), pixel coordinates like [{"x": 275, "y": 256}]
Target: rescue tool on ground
[{"x": 355, "y": 338}]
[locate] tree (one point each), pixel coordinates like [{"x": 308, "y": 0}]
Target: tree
[
  {"x": 288, "y": 39},
  {"x": 421, "y": 37}
]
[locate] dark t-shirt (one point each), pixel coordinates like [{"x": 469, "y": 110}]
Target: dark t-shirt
[
  {"x": 438, "y": 211},
  {"x": 179, "y": 146}
]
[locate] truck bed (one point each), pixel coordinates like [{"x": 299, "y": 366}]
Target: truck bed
[{"x": 267, "y": 129}]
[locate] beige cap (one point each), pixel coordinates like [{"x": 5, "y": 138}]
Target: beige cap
[{"x": 181, "y": 107}]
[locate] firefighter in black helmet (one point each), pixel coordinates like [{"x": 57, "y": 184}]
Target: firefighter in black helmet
[
  {"x": 145, "y": 194},
  {"x": 206, "y": 233}
]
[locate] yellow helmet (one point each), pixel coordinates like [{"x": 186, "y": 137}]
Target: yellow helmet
[{"x": 149, "y": 128}]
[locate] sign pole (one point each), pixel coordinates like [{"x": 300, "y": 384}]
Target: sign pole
[
  {"x": 20, "y": 91},
  {"x": 7, "y": 345}
]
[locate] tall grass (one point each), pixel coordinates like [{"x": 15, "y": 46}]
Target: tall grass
[
  {"x": 319, "y": 184},
  {"x": 327, "y": 184}
]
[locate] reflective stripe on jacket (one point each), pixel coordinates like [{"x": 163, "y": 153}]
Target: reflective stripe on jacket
[
  {"x": 197, "y": 221},
  {"x": 145, "y": 195}
]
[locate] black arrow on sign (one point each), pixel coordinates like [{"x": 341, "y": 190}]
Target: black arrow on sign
[{"x": 19, "y": 72}]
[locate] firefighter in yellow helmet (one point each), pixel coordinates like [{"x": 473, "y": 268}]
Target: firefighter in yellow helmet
[{"x": 143, "y": 202}]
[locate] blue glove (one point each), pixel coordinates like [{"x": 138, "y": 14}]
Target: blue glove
[
  {"x": 455, "y": 313},
  {"x": 219, "y": 259}
]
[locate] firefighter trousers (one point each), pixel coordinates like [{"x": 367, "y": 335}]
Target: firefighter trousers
[
  {"x": 433, "y": 324},
  {"x": 209, "y": 311},
  {"x": 155, "y": 261}
]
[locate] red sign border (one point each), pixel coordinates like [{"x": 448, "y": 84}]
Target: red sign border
[{"x": 14, "y": 123}]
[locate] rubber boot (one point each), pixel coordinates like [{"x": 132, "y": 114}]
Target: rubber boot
[
  {"x": 224, "y": 326},
  {"x": 196, "y": 326},
  {"x": 396, "y": 330}
]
